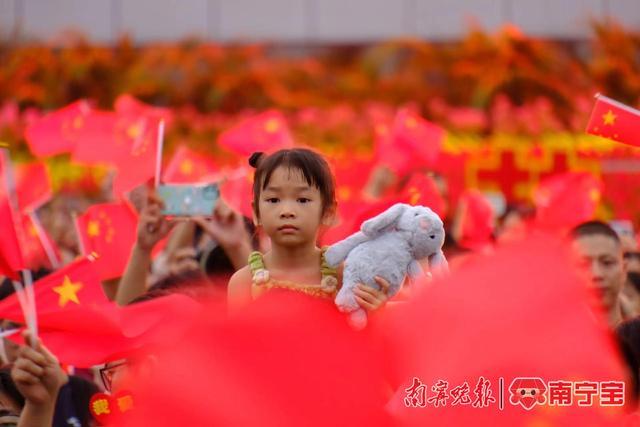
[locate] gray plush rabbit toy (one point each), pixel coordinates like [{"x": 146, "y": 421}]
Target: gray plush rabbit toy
[{"x": 388, "y": 245}]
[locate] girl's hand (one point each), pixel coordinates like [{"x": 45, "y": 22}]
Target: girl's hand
[
  {"x": 152, "y": 225},
  {"x": 372, "y": 299},
  {"x": 37, "y": 374}
]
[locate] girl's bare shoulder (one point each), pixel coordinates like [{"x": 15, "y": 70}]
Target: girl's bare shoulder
[
  {"x": 239, "y": 289},
  {"x": 241, "y": 278}
]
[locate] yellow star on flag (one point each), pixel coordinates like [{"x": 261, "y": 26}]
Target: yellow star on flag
[
  {"x": 77, "y": 122},
  {"x": 134, "y": 131},
  {"x": 271, "y": 126},
  {"x": 609, "y": 118},
  {"x": 186, "y": 167},
  {"x": 414, "y": 195},
  {"x": 68, "y": 291},
  {"x": 93, "y": 229},
  {"x": 411, "y": 122},
  {"x": 344, "y": 193}
]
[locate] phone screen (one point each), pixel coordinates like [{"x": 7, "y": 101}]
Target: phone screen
[{"x": 189, "y": 199}]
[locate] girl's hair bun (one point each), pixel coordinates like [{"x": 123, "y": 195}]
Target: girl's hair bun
[{"x": 255, "y": 159}]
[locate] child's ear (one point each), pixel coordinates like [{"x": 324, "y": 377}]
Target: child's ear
[{"x": 329, "y": 217}]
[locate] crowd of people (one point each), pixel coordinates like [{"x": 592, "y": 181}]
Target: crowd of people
[{"x": 279, "y": 250}]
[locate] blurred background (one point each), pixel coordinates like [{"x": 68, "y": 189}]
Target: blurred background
[
  {"x": 502, "y": 91},
  {"x": 305, "y": 21}
]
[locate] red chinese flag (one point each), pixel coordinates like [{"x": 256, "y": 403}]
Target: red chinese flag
[
  {"x": 293, "y": 360},
  {"x": 102, "y": 139},
  {"x": 76, "y": 284},
  {"x": 128, "y": 105},
  {"x": 187, "y": 166},
  {"x": 351, "y": 177},
  {"x": 37, "y": 247},
  {"x": 565, "y": 200},
  {"x": 87, "y": 335},
  {"x": 109, "y": 231},
  {"x": 477, "y": 220},
  {"x": 265, "y": 132},
  {"x": 422, "y": 190},
  {"x": 525, "y": 314},
  {"x": 614, "y": 120},
  {"x": 412, "y": 142},
  {"x": 33, "y": 185},
  {"x": 11, "y": 259},
  {"x": 137, "y": 164},
  {"x": 237, "y": 191},
  {"x": 55, "y": 133},
  {"x": 108, "y": 137}
]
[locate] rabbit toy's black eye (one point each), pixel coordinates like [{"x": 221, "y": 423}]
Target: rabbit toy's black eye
[
  {"x": 416, "y": 214},
  {"x": 433, "y": 236}
]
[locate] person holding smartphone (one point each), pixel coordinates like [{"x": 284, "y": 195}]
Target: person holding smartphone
[{"x": 225, "y": 227}]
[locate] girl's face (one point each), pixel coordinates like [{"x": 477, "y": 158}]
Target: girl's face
[{"x": 290, "y": 209}]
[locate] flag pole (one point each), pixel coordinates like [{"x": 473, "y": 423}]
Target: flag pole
[
  {"x": 31, "y": 299},
  {"x": 46, "y": 244},
  {"x": 159, "y": 153},
  {"x": 76, "y": 225}
]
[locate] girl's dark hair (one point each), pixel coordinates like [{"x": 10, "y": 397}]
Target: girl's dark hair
[{"x": 312, "y": 165}]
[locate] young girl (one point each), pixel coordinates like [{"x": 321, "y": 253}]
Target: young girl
[{"x": 293, "y": 197}]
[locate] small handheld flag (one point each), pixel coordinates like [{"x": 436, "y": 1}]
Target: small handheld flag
[{"x": 614, "y": 120}]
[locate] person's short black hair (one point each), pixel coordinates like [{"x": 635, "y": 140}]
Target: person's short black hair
[
  {"x": 594, "y": 228},
  {"x": 8, "y": 387},
  {"x": 313, "y": 166}
]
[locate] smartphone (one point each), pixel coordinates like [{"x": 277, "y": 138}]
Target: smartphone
[{"x": 188, "y": 199}]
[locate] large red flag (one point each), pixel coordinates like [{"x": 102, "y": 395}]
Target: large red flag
[
  {"x": 614, "y": 120},
  {"x": 77, "y": 283},
  {"x": 292, "y": 360},
  {"x": 109, "y": 231},
  {"x": 187, "y": 166},
  {"x": 538, "y": 350},
  {"x": 266, "y": 132},
  {"x": 55, "y": 133},
  {"x": 33, "y": 185},
  {"x": 87, "y": 335}
]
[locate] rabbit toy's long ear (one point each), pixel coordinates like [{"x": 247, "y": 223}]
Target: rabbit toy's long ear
[{"x": 372, "y": 227}]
